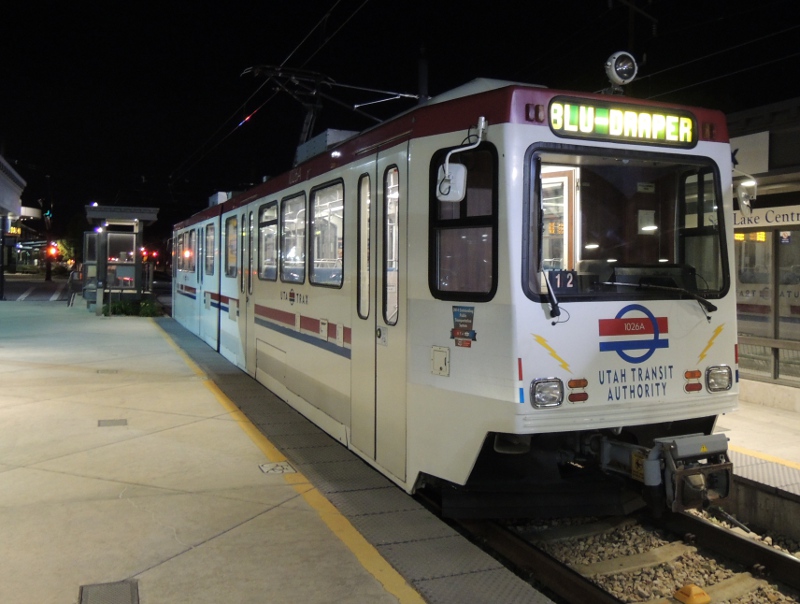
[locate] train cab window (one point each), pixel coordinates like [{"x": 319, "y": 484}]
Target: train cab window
[
  {"x": 613, "y": 225},
  {"x": 268, "y": 241},
  {"x": 327, "y": 226},
  {"x": 293, "y": 239},
  {"x": 209, "y": 249},
  {"x": 231, "y": 246},
  {"x": 463, "y": 233}
]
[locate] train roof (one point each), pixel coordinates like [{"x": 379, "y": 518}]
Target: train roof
[
  {"x": 499, "y": 101},
  {"x": 476, "y": 86}
]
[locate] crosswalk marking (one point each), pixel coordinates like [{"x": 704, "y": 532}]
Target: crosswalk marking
[
  {"x": 26, "y": 294},
  {"x": 57, "y": 293}
]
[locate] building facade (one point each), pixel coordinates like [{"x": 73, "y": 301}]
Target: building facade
[
  {"x": 11, "y": 187},
  {"x": 765, "y": 142}
]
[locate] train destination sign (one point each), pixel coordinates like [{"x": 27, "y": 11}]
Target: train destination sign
[{"x": 623, "y": 123}]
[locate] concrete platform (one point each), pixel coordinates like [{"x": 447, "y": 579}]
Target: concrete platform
[
  {"x": 126, "y": 467},
  {"x": 764, "y": 431},
  {"x": 121, "y": 465}
]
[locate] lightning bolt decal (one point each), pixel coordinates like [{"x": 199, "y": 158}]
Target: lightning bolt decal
[
  {"x": 543, "y": 343},
  {"x": 714, "y": 336}
]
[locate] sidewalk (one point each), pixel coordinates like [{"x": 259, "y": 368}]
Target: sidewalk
[{"x": 118, "y": 461}]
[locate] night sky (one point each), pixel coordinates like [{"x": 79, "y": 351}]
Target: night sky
[{"x": 138, "y": 103}]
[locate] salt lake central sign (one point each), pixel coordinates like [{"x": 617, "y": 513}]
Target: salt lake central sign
[{"x": 768, "y": 217}]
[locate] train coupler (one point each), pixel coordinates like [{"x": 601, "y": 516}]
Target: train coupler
[
  {"x": 692, "y": 471},
  {"x": 696, "y": 471}
]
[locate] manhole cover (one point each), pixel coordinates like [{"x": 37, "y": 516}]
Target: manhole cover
[
  {"x": 121, "y": 592},
  {"x": 105, "y": 423},
  {"x": 282, "y": 467}
]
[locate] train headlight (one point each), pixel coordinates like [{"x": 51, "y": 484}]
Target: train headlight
[
  {"x": 621, "y": 68},
  {"x": 547, "y": 392},
  {"x": 719, "y": 378}
]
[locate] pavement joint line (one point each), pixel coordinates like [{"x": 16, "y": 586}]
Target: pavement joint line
[{"x": 367, "y": 555}]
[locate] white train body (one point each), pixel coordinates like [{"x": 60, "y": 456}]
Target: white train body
[{"x": 415, "y": 324}]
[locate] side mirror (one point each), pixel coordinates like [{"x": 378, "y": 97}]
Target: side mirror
[
  {"x": 746, "y": 192},
  {"x": 453, "y": 186}
]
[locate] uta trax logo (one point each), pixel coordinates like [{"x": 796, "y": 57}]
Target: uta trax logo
[{"x": 632, "y": 332}]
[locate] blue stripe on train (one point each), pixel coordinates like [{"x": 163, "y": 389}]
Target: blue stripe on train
[{"x": 307, "y": 338}]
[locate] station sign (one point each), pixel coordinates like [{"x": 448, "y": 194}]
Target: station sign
[
  {"x": 766, "y": 218},
  {"x": 598, "y": 120}
]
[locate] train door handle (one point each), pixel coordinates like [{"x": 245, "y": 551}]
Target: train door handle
[{"x": 378, "y": 333}]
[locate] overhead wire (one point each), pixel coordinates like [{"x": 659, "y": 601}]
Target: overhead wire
[
  {"x": 726, "y": 75},
  {"x": 205, "y": 150},
  {"x": 720, "y": 52}
]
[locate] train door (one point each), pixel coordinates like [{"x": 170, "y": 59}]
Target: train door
[
  {"x": 208, "y": 284},
  {"x": 391, "y": 311},
  {"x": 186, "y": 304},
  {"x": 230, "y": 298},
  {"x": 245, "y": 290},
  {"x": 247, "y": 321},
  {"x": 362, "y": 357}
]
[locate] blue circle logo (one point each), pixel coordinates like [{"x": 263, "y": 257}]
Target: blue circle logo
[{"x": 649, "y": 346}]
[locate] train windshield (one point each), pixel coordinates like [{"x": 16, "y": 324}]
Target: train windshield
[{"x": 625, "y": 226}]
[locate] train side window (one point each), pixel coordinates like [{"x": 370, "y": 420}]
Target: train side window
[
  {"x": 363, "y": 246},
  {"x": 231, "y": 246},
  {"x": 209, "y": 249},
  {"x": 391, "y": 245},
  {"x": 179, "y": 247},
  {"x": 463, "y": 234},
  {"x": 327, "y": 227},
  {"x": 293, "y": 239},
  {"x": 268, "y": 241},
  {"x": 189, "y": 254}
]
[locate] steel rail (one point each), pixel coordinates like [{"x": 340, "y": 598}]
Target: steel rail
[
  {"x": 556, "y": 576},
  {"x": 777, "y": 565}
]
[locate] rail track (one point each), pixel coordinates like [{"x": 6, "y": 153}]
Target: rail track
[{"x": 675, "y": 558}]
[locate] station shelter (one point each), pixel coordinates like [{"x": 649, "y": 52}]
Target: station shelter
[
  {"x": 765, "y": 142},
  {"x": 113, "y": 268}
]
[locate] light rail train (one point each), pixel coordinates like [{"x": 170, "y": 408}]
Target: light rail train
[{"x": 495, "y": 290}]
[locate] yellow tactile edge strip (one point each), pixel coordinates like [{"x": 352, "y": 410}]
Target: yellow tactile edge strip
[
  {"x": 365, "y": 552},
  {"x": 766, "y": 457}
]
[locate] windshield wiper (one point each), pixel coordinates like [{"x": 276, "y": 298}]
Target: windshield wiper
[
  {"x": 555, "y": 311},
  {"x": 708, "y": 306}
]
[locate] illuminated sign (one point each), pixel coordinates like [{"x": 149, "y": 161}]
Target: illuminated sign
[{"x": 622, "y": 123}]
